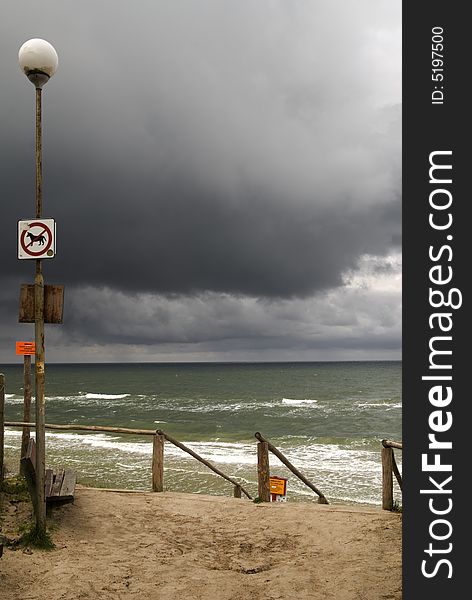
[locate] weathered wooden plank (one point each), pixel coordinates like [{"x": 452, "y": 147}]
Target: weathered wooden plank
[
  {"x": 53, "y": 303},
  {"x": 263, "y": 471},
  {"x": 68, "y": 484},
  {"x": 387, "y": 478},
  {"x": 57, "y": 484},
  {"x": 48, "y": 483},
  {"x": 26, "y": 403},
  {"x": 392, "y": 444},
  {"x": 158, "y": 463},
  {"x": 29, "y": 460}
]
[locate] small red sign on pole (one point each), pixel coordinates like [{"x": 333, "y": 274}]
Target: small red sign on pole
[{"x": 25, "y": 348}]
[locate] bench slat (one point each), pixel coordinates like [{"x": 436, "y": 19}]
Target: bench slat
[
  {"x": 48, "y": 483},
  {"x": 58, "y": 486},
  {"x": 68, "y": 484}
]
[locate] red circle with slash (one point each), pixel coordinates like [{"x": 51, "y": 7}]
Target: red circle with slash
[{"x": 44, "y": 248}]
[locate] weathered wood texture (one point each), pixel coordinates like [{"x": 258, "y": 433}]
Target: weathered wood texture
[
  {"x": 84, "y": 428},
  {"x": 397, "y": 472},
  {"x": 172, "y": 440},
  {"x": 59, "y": 484},
  {"x": 132, "y": 432},
  {"x": 2, "y": 423},
  {"x": 237, "y": 491},
  {"x": 387, "y": 478},
  {"x": 158, "y": 463},
  {"x": 26, "y": 403},
  {"x": 53, "y": 303},
  {"x": 392, "y": 444},
  {"x": 321, "y": 497},
  {"x": 263, "y": 474}
]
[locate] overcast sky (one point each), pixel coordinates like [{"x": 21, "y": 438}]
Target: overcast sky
[{"x": 225, "y": 176}]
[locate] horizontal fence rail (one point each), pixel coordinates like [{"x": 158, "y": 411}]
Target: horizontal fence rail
[
  {"x": 157, "y": 454},
  {"x": 389, "y": 468},
  {"x": 264, "y": 447}
]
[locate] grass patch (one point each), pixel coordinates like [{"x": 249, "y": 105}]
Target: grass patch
[
  {"x": 15, "y": 488},
  {"x": 33, "y": 537}
]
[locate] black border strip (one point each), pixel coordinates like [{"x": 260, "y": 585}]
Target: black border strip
[{"x": 441, "y": 128}]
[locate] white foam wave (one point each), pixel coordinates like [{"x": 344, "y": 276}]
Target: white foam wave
[
  {"x": 218, "y": 452},
  {"x": 385, "y": 405},
  {"x": 10, "y": 399},
  {"x": 92, "y": 396},
  {"x": 297, "y": 402}
]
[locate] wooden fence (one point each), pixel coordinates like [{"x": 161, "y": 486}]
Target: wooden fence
[
  {"x": 263, "y": 477},
  {"x": 389, "y": 467},
  {"x": 159, "y": 437}
]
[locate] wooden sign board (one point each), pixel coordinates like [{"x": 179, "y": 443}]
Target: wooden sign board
[
  {"x": 28, "y": 348},
  {"x": 278, "y": 486},
  {"x": 53, "y": 303}
]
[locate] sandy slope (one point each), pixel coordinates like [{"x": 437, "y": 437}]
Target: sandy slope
[{"x": 113, "y": 545}]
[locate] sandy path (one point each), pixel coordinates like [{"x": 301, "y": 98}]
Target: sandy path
[{"x": 171, "y": 546}]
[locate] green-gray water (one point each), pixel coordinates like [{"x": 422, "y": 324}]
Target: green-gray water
[{"x": 327, "y": 418}]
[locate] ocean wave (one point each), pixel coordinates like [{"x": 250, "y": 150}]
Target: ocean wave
[
  {"x": 93, "y": 396},
  {"x": 296, "y": 402},
  {"x": 385, "y": 405},
  {"x": 10, "y": 399}
]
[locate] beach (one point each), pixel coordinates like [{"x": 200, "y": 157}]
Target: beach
[{"x": 167, "y": 546}]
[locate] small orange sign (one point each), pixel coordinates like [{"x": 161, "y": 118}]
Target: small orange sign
[
  {"x": 25, "y": 347},
  {"x": 278, "y": 486}
]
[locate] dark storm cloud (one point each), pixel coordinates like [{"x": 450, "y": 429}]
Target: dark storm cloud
[
  {"x": 225, "y": 177},
  {"x": 203, "y": 146}
]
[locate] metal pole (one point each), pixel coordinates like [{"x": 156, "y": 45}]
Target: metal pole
[{"x": 39, "y": 340}]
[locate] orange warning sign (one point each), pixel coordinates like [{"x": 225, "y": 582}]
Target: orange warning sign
[
  {"x": 25, "y": 347},
  {"x": 278, "y": 485}
]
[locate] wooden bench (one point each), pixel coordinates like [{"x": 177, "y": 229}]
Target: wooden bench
[{"x": 59, "y": 483}]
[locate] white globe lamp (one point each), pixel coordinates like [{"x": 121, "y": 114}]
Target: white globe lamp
[{"x": 38, "y": 61}]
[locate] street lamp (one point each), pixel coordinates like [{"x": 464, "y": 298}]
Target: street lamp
[{"x": 38, "y": 60}]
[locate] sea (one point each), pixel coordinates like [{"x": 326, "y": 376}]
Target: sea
[{"x": 327, "y": 418}]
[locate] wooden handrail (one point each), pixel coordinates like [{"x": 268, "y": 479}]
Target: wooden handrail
[
  {"x": 85, "y": 428},
  {"x": 172, "y": 440},
  {"x": 391, "y": 444},
  {"x": 322, "y": 499},
  {"x": 157, "y": 451}
]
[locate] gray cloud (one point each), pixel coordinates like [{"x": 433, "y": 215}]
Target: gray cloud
[{"x": 194, "y": 148}]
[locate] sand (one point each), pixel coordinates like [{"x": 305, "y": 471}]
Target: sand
[{"x": 169, "y": 546}]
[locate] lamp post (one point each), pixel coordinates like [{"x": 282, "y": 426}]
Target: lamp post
[{"x": 38, "y": 60}]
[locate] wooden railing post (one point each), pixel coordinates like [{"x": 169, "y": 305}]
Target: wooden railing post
[
  {"x": 157, "y": 463},
  {"x": 237, "y": 491},
  {"x": 2, "y": 424},
  {"x": 263, "y": 477},
  {"x": 387, "y": 478},
  {"x": 295, "y": 471}
]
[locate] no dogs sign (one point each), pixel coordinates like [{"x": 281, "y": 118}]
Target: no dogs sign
[{"x": 37, "y": 238}]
